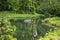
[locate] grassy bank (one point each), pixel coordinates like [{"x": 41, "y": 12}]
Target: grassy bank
[{"x": 18, "y": 16}]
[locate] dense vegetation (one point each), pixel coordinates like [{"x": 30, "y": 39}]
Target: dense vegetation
[
  {"x": 45, "y": 13},
  {"x": 7, "y": 32},
  {"x": 50, "y": 29},
  {"x": 31, "y": 6}
]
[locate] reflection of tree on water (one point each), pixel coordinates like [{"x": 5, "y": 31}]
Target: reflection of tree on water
[{"x": 23, "y": 30}]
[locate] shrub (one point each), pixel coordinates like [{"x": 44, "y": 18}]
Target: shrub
[
  {"x": 50, "y": 28},
  {"x": 7, "y": 31}
]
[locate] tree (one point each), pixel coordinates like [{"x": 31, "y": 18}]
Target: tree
[
  {"x": 3, "y": 5},
  {"x": 26, "y": 6},
  {"x": 48, "y": 6},
  {"x": 14, "y": 4}
]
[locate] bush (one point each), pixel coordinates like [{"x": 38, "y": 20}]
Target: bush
[
  {"x": 50, "y": 28},
  {"x": 7, "y": 31}
]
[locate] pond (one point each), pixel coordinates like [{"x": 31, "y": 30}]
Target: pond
[{"x": 26, "y": 28}]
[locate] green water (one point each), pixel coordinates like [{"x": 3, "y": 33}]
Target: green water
[{"x": 24, "y": 30}]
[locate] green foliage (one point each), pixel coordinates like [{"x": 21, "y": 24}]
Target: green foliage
[
  {"x": 12, "y": 15},
  {"x": 49, "y": 6},
  {"x": 7, "y": 37},
  {"x": 7, "y": 30},
  {"x": 31, "y": 6},
  {"x": 26, "y": 6},
  {"x": 53, "y": 21},
  {"x": 3, "y": 5},
  {"x": 50, "y": 28},
  {"x": 14, "y": 4}
]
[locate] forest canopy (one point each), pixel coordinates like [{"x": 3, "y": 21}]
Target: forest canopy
[{"x": 31, "y": 6}]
